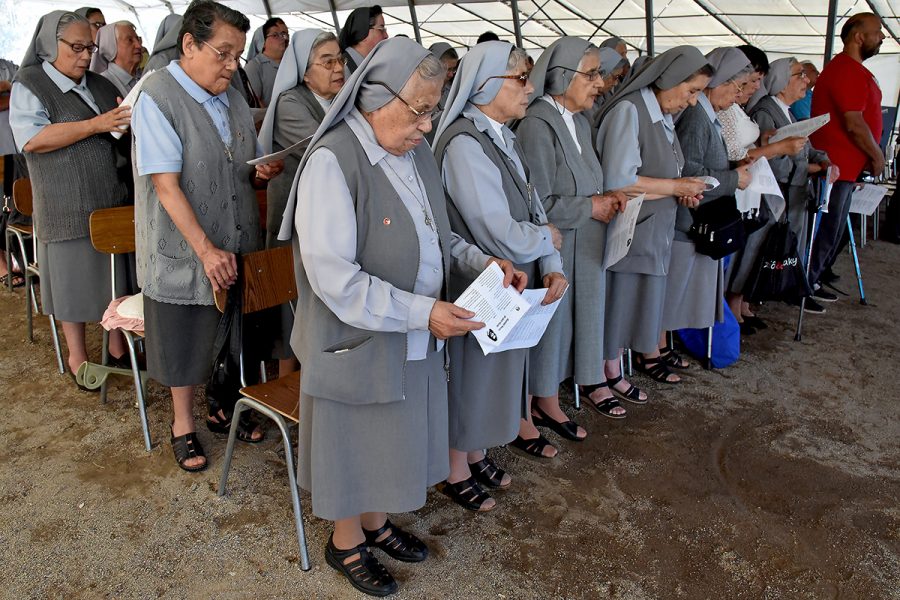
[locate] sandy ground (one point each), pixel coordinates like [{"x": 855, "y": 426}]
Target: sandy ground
[{"x": 776, "y": 478}]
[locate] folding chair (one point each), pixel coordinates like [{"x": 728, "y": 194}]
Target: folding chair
[
  {"x": 112, "y": 232},
  {"x": 268, "y": 280},
  {"x": 23, "y": 234},
  {"x": 24, "y": 201}
]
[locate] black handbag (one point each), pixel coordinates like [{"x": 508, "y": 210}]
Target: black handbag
[
  {"x": 224, "y": 385},
  {"x": 779, "y": 273},
  {"x": 718, "y": 228}
]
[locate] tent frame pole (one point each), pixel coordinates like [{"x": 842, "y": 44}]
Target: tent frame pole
[
  {"x": 517, "y": 26},
  {"x": 414, "y": 19},
  {"x": 648, "y": 17},
  {"x": 268, "y": 8},
  {"x": 829, "y": 30},
  {"x": 337, "y": 26}
]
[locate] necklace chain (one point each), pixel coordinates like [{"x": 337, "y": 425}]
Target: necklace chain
[{"x": 419, "y": 201}]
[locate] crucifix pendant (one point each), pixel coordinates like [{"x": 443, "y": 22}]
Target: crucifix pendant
[{"x": 429, "y": 222}]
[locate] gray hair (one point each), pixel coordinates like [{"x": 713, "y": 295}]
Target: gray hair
[
  {"x": 321, "y": 39},
  {"x": 67, "y": 19},
  {"x": 516, "y": 56},
  {"x": 591, "y": 50},
  {"x": 431, "y": 68},
  {"x": 124, "y": 24},
  {"x": 746, "y": 71}
]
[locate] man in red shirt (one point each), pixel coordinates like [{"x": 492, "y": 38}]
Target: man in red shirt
[{"x": 849, "y": 92}]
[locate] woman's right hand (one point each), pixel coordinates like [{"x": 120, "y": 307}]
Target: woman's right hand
[
  {"x": 113, "y": 120},
  {"x": 220, "y": 267},
  {"x": 688, "y": 187},
  {"x": 555, "y": 235},
  {"x": 449, "y": 320},
  {"x": 744, "y": 176},
  {"x": 792, "y": 145}
]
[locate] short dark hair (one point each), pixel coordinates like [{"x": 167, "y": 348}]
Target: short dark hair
[
  {"x": 488, "y": 36},
  {"x": 268, "y": 25},
  {"x": 374, "y": 11},
  {"x": 91, "y": 11},
  {"x": 757, "y": 58},
  {"x": 854, "y": 23},
  {"x": 201, "y": 16}
]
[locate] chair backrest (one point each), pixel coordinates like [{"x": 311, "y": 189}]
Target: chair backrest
[
  {"x": 112, "y": 230},
  {"x": 22, "y": 196},
  {"x": 268, "y": 277}
]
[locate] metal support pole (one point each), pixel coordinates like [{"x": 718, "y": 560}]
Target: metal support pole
[
  {"x": 414, "y": 19},
  {"x": 648, "y": 19},
  {"x": 829, "y": 30},
  {"x": 517, "y": 26},
  {"x": 821, "y": 202},
  {"x": 337, "y": 26},
  {"x": 859, "y": 282},
  {"x": 267, "y": 7}
]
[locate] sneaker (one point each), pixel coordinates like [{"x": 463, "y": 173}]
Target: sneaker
[
  {"x": 820, "y": 293},
  {"x": 812, "y": 307}
]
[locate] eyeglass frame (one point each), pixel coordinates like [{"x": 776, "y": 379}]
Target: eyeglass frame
[
  {"x": 420, "y": 114},
  {"x": 340, "y": 58},
  {"x": 591, "y": 75},
  {"x": 285, "y": 35},
  {"x": 91, "y": 48},
  {"x": 522, "y": 79},
  {"x": 222, "y": 54},
  {"x": 97, "y": 24},
  {"x": 739, "y": 86}
]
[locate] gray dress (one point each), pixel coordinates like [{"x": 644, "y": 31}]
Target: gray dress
[
  {"x": 261, "y": 71},
  {"x": 566, "y": 178}
]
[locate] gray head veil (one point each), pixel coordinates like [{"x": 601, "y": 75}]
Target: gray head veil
[
  {"x": 554, "y": 70},
  {"x": 256, "y": 43},
  {"x": 484, "y": 60},
  {"x": 393, "y": 61},
  {"x": 727, "y": 62},
  {"x": 776, "y": 80},
  {"x": 672, "y": 67},
  {"x": 108, "y": 48},
  {"x": 169, "y": 39},
  {"x": 171, "y": 21},
  {"x": 43, "y": 45},
  {"x": 83, "y": 11},
  {"x": 439, "y": 48},
  {"x": 609, "y": 60},
  {"x": 613, "y": 43},
  {"x": 636, "y": 67},
  {"x": 290, "y": 74}
]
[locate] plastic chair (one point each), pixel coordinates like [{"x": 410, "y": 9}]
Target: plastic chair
[{"x": 268, "y": 281}]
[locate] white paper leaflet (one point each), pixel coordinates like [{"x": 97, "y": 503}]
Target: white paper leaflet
[
  {"x": 803, "y": 128},
  {"x": 866, "y": 199},
  {"x": 621, "y": 232}
]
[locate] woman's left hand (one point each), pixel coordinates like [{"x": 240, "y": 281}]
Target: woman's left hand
[
  {"x": 269, "y": 170},
  {"x": 690, "y": 201},
  {"x": 511, "y": 276},
  {"x": 556, "y": 284}
]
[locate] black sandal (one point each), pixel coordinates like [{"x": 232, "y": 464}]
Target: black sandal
[
  {"x": 567, "y": 429},
  {"x": 655, "y": 368},
  {"x": 673, "y": 359},
  {"x": 632, "y": 394},
  {"x": 606, "y": 406},
  {"x": 399, "y": 545},
  {"x": 467, "y": 493},
  {"x": 187, "y": 447},
  {"x": 246, "y": 426},
  {"x": 487, "y": 473},
  {"x": 18, "y": 280},
  {"x": 756, "y": 322},
  {"x": 365, "y": 573},
  {"x": 533, "y": 447}
]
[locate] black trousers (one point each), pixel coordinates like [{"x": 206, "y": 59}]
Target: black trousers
[
  {"x": 831, "y": 229},
  {"x": 890, "y": 227}
]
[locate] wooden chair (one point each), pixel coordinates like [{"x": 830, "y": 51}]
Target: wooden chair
[
  {"x": 112, "y": 232},
  {"x": 268, "y": 281},
  {"x": 24, "y": 201}
]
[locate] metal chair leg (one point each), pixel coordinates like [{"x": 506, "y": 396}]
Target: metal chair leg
[
  {"x": 56, "y": 348},
  {"x": 709, "y": 340},
  {"x": 104, "y": 387},
  {"x": 859, "y": 281},
  {"x": 138, "y": 390},
  {"x": 295, "y": 494},
  {"x": 29, "y": 314},
  {"x": 239, "y": 407},
  {"x": 577, "y": 395},
  {"x": 629, "y": 362}
]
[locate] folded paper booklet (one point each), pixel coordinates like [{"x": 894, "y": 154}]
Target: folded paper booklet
[
  {"x": 511, "y": 320},
  {"x": 130, "y": 100},
  {"x": 865, "y": 199},
  {"x": 620, "y": 232},
  {"x": 262, "y": 160},
  {"x": 803, "y": 128}
]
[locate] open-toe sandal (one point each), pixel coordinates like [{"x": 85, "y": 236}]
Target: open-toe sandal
[
  {"x": 632, "y": 394},
  {"x": 673, "y": 359},
  {"x": 467, "y": 493},
  {"x": 398, "y": 544},
  {"x": 655, "y": 368},
  {"x": 487, "y": 473},
  {"x": 567, "y": 429},
  {"x": 606, "y": 406},
  {"x": 18, "y": 280},
  {"x": 365, "y": 573},
  {"x": 533, "y": 447},
  {"x": 246, "y": 426},
  {"x": 187, "y": 447}
]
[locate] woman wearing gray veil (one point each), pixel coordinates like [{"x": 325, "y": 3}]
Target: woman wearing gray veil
[
  {"x": 309, "y": 77},
  {"x": 60, "y": 114},
  {"x": 491, "y": 204},
  {"x": 696, "y": 284},
  {"x": 373, "y": 252},
  {"x": 450, "y": 58},
  {"x": 118, "y": 55},
  {"x": 640, "y": 154},
  {"x": 556, "y": 139},
  {"x": 609, "y": 61},
  {"x": 165, "y": 48}
]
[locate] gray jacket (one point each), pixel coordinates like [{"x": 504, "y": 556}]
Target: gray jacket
[{"x": 791, "y": 170}]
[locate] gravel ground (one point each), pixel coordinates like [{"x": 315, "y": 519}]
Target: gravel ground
[{"x": 778, "y": 477}]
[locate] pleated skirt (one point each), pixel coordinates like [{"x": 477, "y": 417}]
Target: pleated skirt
[
  {"x": 694, "y": 289},
  {"x": 376, "y": 457},
  {"x": 634, "y": 311},
  {"x": 179, "y": 341}
]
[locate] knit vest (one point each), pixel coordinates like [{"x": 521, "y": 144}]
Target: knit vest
[
  {"x": 516, "y": 191},
  {"x": 651, "y": 246},
  {"x": 214, "y": 178},
  {"x": 72, "y": 182},
  {"x": 342, "y": 362}
]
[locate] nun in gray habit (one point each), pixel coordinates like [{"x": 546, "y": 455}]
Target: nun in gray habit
[
  {"x": 372, "y": 261},
  {"x": 640, "y": 153},
  {"x": 610, "y": 60},
  {"x": 165, "y": 48},
  {"x": 491, "y": 204},
  {"x": 103, "y": 60},
  {"x": 696, "y": 283},
  {"x": 556, "y": 139}
]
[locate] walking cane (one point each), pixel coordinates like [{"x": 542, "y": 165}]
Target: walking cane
[
  {"x": 821, "y": 201},
  {"x": 859, "y": 282}
]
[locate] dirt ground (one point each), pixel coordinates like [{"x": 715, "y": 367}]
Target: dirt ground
[{"x": 778, "y": 477}]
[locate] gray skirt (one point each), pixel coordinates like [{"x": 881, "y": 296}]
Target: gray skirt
[
  {"x": 634, "y": 309},
  {"x": 376, "y": 457},
  {"x": 487, "y": 395},
  {"x": 179, "y": 342},
  {"x": 75, "y": 280},
  {"x": 694, "y": 289}
]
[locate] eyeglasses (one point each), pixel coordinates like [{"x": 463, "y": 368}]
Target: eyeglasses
[
  {"x": 381, "y": 28},
  {"x": 522, "y": 79},
  {"x": 328, "y": 63},
  {"x": 591, "y": 75},
  {"x": 224, "y": 57},
  {"x": 280, "y": 34},
  {"x": 79, "y": 48},
  {"x": 97, "y": 24},
  {"x": 801, "y": 75},
  {"x": 421, "y": 115},
  {"x": 738, "y": 86}
]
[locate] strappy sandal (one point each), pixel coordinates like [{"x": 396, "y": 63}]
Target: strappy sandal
[
  {"x": 187, "y": 447},
  {"x": 534, "y": 446},
  {"x": 467, "y": 493},
  {"x": 365, "y": 573},
  {"x": 755, "y": 321},
  {"x": 246, "y": 427},
  {"x": 567, "y": 429},
  {"x": 632, "y": 394},
  {"x": 655, "y": 368},
  {"x": 606, "y": 406},
  {"x": 673, "y": 359},
  {"x": 487, "y": 473},
  {"x": 18, "y": 280},
  {"x": 398, "y": 544}
]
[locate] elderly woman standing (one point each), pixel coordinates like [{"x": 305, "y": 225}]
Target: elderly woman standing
[
  {"x": 493, "y": 205},
  {"x": 450, "y": 59},
  {"x": 362, "y": 31},
  {"x": 556, "y": 139},
  {"x": 60, "y": 114},
  {"x": 195, "y": 209},
  {"x": 372, "y": 274},
  {"x": 640, "y": 154},
  {"x": 310, "y": 76},
  {"x": 165, "y": 47},
  {"x": 118, "y": 56},
  {"x": 262, "y": 68}
]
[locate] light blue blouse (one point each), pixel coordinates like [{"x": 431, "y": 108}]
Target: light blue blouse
[{"x": 27, "y": 114}]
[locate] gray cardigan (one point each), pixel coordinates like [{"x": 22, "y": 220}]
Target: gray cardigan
[{"x": 768, "y": 115}]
